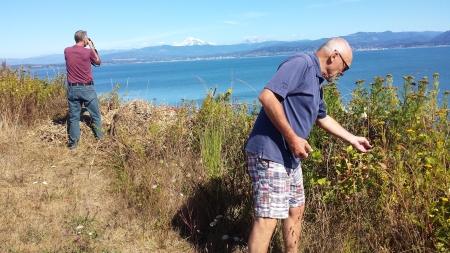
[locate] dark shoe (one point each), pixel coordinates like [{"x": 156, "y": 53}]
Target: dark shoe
[{"x": 72, "y": 145}]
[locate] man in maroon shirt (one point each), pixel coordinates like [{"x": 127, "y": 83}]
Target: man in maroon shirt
[{"x": 80, "y": 88}]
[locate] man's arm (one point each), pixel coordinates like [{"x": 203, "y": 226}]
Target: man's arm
[
  {"x": 333, "y": 127},
  {"x": 275, "y": 112},
  {"x": 97, "y": 60}
]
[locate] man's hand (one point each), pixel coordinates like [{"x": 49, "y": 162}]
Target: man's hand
[
  {"x": 91, "y": 45},
  {"x": 300, "y": 147},
  {"x": 361, "y": 144}
]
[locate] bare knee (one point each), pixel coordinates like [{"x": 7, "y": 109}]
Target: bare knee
[
  {"x": 296, "y": 213},
  {"x": 261, "y": 233},
  {"x": 265, "y": 223},
  {"x": 292, "y": 228}
]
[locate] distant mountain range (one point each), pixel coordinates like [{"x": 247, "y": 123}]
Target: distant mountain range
[{"x": 196, "y": 49}]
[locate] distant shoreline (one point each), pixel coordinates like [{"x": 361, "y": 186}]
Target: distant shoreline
[{"x": 62, "y": 65}]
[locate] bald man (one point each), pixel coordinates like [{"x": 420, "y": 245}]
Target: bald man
[{"x": 292, "y": 102}]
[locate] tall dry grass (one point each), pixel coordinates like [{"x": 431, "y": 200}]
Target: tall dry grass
[
  {"x": 168, "y": 179},
  {"x": 55, "y": 200}
]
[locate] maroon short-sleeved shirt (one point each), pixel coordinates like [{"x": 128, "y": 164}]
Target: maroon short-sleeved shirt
[{"x": 78, "y": 64}]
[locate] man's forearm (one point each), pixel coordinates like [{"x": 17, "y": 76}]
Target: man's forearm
[
  {"x": 331, "y": 126},
  {"x": 275, "y": 112},
  {"x": 97, "y": 61}
]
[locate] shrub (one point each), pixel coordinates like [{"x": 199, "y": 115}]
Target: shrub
[
  {"x": 396, "y": 197},
  {"x": 25, "y": 98}
]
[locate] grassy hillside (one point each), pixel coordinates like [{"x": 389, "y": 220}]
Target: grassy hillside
[{"x": 170, "y": 179}]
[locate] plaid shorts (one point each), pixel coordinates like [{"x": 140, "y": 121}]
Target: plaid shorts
[{"x": 275, "y": 187}]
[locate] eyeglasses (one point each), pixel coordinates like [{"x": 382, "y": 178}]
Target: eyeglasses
[{"x": 346, "y": 67}]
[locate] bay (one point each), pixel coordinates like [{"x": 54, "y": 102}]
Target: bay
[{"x": 174, "y": 82}]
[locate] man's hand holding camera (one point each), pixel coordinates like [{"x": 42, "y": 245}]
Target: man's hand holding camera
[
  {"x": 90, "y": 43},
  {"x": 92, "y": 47}
]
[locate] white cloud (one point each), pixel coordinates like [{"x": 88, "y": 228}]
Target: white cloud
[
  {"x": 331, "y": 3},
  {"x": 231, "y": 22},
  {"x": 316, "y": 6},
  {"x": 256, "y": 39},
  {"x": 253, "y": 14}
]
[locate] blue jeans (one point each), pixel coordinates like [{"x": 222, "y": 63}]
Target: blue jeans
[{"x": 77, "y": 96}]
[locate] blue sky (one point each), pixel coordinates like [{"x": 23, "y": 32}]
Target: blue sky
[{"x": 41, "y": 27}]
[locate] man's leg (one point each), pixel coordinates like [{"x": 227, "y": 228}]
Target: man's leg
[
  {"x": 292, "y": 228},
  {"x": 293, "y": 224},
  {"x": 261, "y": 234},
  {"x": 74, "y": 117},
  {"x": 271, "y": 186},
  {"x": 92, "y": 105}
]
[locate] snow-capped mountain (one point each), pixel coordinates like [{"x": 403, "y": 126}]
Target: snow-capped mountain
[
  {"x": 191, "y": 41},
  {"x": 253, "y": 40}
]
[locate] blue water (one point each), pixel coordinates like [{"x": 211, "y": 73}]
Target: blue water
[{"x": 173, "y": 82}]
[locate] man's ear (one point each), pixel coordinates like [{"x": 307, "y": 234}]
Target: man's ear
[{"x": 333, "y": 56}]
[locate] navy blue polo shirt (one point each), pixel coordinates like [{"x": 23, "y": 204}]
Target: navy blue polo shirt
[{"x": 298, "y": 81}]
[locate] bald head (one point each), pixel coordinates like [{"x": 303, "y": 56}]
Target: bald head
[
  {"x": 338, "y": 44},
  {"x": 335, "y": 56}
]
